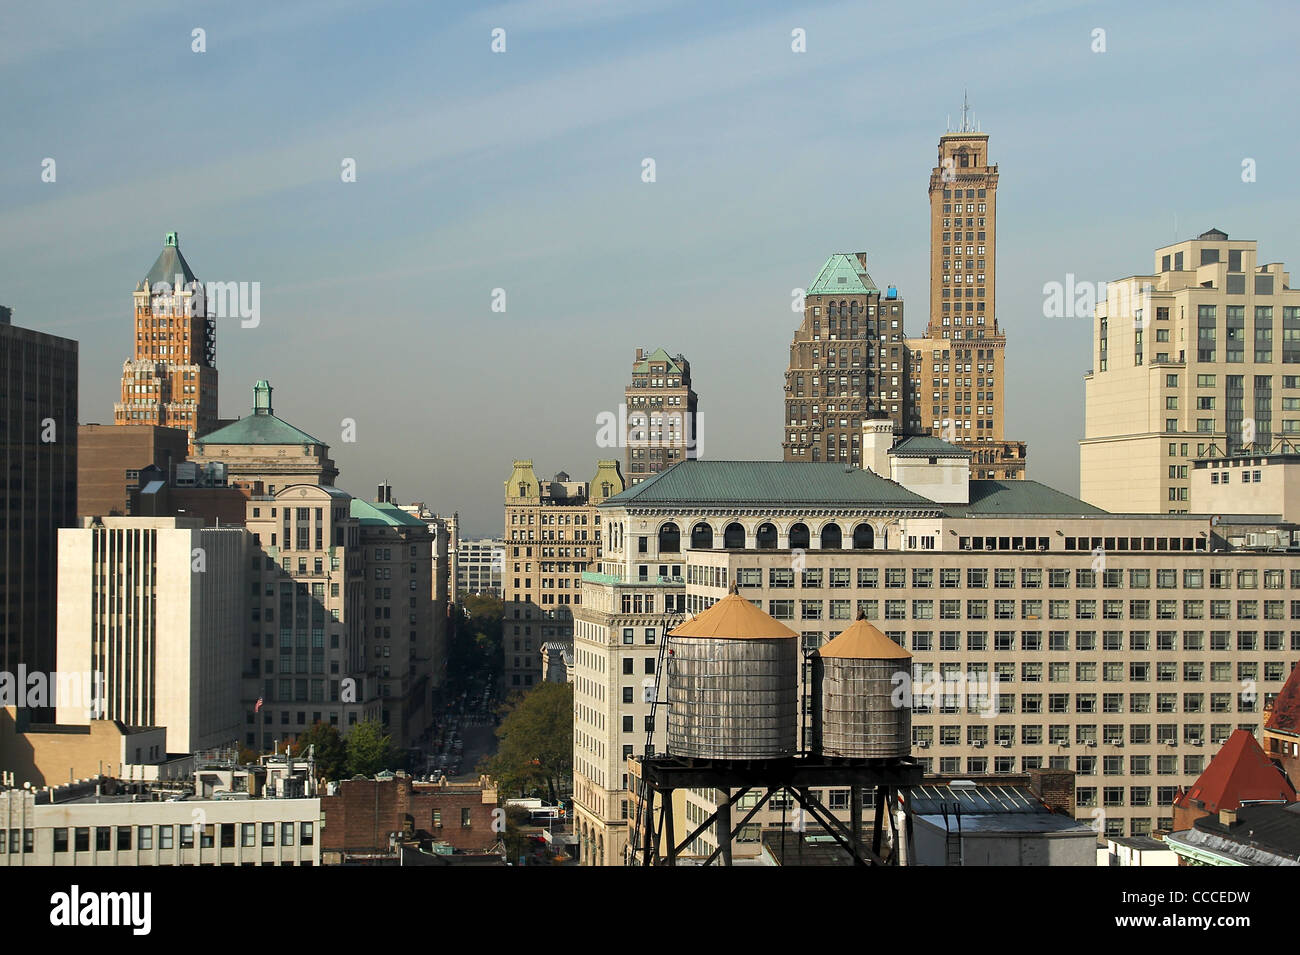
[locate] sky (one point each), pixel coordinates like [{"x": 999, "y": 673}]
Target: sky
[{"x": 522, "y": 171}]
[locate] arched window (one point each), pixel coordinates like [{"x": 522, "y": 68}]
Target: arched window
[
  {"x": 799, "y": 537},
  {"x": 832, "y": 537},
  {"x": 670, "y": 539},
  {"x": 864, "y": 538},
  {"x": 767, "y": 536},
  {"x": 701, "y": 536},
  {"x": 733, "y": 538}
]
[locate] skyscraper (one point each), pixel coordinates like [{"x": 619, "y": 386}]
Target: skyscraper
[
  {"x": 956, "y": 368},
  {"x": 38, "y": 485},
  {"x": 846, "y": 363},
  {"x": 662, "y": 425},
  {"x": 171, "y": 380}
]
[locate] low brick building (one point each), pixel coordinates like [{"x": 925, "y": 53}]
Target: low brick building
[{"x": 366, "y": 819}]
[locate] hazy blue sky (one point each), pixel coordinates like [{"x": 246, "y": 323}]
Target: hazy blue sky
[{"x": 522, "y": 171}]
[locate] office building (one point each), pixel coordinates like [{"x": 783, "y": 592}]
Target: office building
[
  {"x": 110, "y": 458},
  {"x": 957, "y": 369},
  {"x": 847, "y": 362},
  {"x": 1045, "y": 632},
  {"x": 662, "y": 424},
  {"x": 263, "y": 453},
  {"x": 156, "y": 608},
  {"x": 480, "y": 566},
  {"x": 1191, "y": 361},
  {"x": 38, "y": 485},
  {"x": 552, "y": 534}
]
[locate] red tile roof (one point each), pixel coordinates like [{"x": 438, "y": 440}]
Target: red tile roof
[
  {"x": 1285, "y": 715},
  {"x": 1239, "y": 771}
]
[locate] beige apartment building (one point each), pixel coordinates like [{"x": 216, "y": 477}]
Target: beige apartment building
[
  {"x": 963, "y": 347},
  {"x": 157, "y": 607},
  {"x": 1045, "y": 632},
  {"x": 1189, "y": 362},
  {"x": 847, "y": 362},
  {"x": 662, "y": 426},
  {"x": 552, "y": 535}
]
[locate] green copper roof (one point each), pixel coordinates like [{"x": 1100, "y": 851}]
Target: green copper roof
[
  {"x": 643, "y": 367},
  {"x": 924, "y": 446},
  {"x": 169, "y": 264},
  {"x": 383, "y": 514},
  {"x": 842, "y": 273},
  {"x": 1018, "y": 497},
  {"x": 777, "y": 483},
  {"x": 261, "y": 427}
]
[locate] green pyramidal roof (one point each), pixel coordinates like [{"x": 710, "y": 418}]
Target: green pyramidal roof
[
  {"x": 659, "y": 355},
  {"x": 261, "y": 427},
  {"x": 169, "y": 264},
  {"x": 842, "y": 273}
]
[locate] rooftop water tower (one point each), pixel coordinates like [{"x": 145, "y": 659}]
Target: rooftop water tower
[
  {"x": 859, "y": 708},
  {"x": 733, "y": 693}
]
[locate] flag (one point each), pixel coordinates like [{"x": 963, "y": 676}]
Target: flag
[{"x": 258, "y": 707}]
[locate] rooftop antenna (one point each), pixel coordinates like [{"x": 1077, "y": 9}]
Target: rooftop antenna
[{"x": 965, "y": 110}]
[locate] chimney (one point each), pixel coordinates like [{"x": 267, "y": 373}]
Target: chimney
[
  {"x": 1228, "y": 817},
  {"x": 640, "y": 353},
  {"x": 877, "y": 439}
]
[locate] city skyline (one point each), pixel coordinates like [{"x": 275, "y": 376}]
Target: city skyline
[{"x": 380, "y": 288}]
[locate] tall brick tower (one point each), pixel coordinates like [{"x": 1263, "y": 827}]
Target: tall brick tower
[
  {"x": 171, "y": 380},
  {"x": 957, "y": 369}
]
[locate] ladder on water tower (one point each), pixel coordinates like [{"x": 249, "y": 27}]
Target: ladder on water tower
[{"x": 637, "y": 832}]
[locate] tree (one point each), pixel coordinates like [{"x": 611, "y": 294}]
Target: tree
[
  {"x": 369, "y": 750},
  {"x": 331, "y": 753},
  {"x": 536, "y": 746}
]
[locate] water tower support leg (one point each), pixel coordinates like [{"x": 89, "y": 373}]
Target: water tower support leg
[
  {"x": 855, "y": 815},
  {"x": 669, "y": 834},
  {"x": 648, "y": 847},
  {"x": 723, "y": 830},
  {"x": 881, "y": 793}
]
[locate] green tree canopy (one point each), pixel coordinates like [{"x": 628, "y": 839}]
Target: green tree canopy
[
  {"x": 369, "y": 750},
  {"x": 331, "y": 752},
  {"x": 536, "y": 748}
]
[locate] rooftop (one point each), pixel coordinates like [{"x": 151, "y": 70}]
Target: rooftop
[
  {"x": 261, "y": 427},
  {"x": 1006, "y": 498},
  {"x": 925, "y": 446},
  {"x": 169, "y": 264},
  {"x": 383, "y": 515},
  {"x": 1262, "y": 835},
  {"x": 776, "y": 483},
  {"x": 1285, "y": 714},
  {"x": 842, "y": 274},
  {"x": 643, "y": 366},
  {"x": 1238, "y": 772}
]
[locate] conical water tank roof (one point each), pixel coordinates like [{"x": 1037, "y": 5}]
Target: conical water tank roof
[
  {"x": 734, "y": 618},
  {"x": 733, "y": 678},
  {"x": 862, "y": 641},
  {"x": 862, "y": 695}
]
